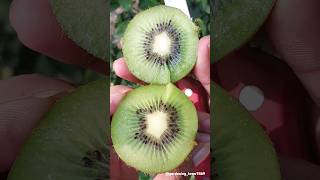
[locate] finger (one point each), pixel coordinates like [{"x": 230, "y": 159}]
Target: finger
[
  {"x": 23, "y": 101},
  {"x": 200, "y": 153},
  {"x": 121, "y": 69},
  {"x": 116, "y": 94},
  {"x": 294, "y": 33},
  {"x": 166, "y": 176},
  {"x": 202, "y": 67},
  {"x": 203, "y": 137},
  {"x": 204, "y": 122},
  {"x": 38, "y": 29},
  {"x": 294, "y": 169}
]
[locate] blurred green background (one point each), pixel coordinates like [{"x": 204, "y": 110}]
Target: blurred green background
[
  {"x": 122, "y": 11},
  {"x": 16, "y": 59}
]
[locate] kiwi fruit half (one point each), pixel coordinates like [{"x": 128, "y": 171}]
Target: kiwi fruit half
[
  {"x": 235, "y": 22},
  {"x": 86, "y": 22},
  {"x": 241, "y": 149},
  {"x": 70, "y": 142},
  {"x": 160, "y": 45},
  {"x": 154, "y": 128}
]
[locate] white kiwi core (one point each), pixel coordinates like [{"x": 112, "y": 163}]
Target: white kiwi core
[
  {"x": 156, "y": 124},
  {"x": 162, "y": 44}
]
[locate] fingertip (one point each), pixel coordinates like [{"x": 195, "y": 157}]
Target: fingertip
[
  {"x": 203, "y": 138},
  {"x": 205, "y": 41},
  {"x": 204, "y": 122},
  {"x": 119, "y": 66},
  {"x": 165, "y": 176},
  {"x": 200, "y": 153},
  {"x": 116, "y": 95},
  {"x": 34, "y": 23},
  {"x": 202, "y": 67},
  {"x": 121, "y": 69}
]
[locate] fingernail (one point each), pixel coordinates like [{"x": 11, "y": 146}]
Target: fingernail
[
  {"x": 201, "y": 154},
  {"x": 57, "y": 93},
  {"x": 202, "y": 137},
  {"x": 209, "y": 44}
]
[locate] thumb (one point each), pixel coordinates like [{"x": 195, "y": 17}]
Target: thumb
[
  {"x": 23, "y": 101},
  {"x": 295, "y": 35}
]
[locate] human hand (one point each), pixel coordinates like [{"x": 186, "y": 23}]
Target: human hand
[
  {"x": 202, "y": 72},
  {"x": 293, "y": 32}
]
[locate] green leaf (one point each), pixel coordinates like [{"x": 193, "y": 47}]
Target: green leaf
[
  {"x": 143, "y": 176},
  {"x": 144, "y": 4},
  {"x": 121, "y": 27},
  {"x": 126, "y": 4},
  {"x": 114, "y": 5},
  {"x": 205, "y": 6}
]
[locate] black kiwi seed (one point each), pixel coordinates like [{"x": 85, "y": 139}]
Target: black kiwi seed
[
  {"x": 97, "y": 155},
  {"x": 173, "y": 34},
  {"x": 168, "y": 135},
  {"x": 87, "y": 162},
  {"x": 98, "y": 160}
]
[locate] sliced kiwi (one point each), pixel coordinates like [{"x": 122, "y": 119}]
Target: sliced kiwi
[
  {"x": 241, "y": 149},
  {"x": 86, "y": 22},
  {"x": 235, "y": 22},
  {"x": 70, "y": 142},
  {"x": 160, "y": 45},
  {"x": 154, "y": 128}
]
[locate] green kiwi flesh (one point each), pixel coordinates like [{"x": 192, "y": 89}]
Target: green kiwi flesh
[
  {"x": 160, "y": 45},
  {"x": 241, "y": 149},
  {"x": 154, "y": 128},
  {"x": 85, "y": 22},
  {"x": 235, "y": 22},
  {"x": 70, "y": 142}
]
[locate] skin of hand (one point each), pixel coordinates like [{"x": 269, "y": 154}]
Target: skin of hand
[
  {"x": 25, "y": 98},
  {"x": 294, "y": 33},
  {"x": 37, "y": 29},
  {"x": 202, "y": 73},
  {"x": 291, "y": 28}
]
